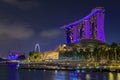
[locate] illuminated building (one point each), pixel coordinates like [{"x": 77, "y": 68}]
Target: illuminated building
[
  {"x": 37, "y": 47},
  {"x": 89, "y": 27},
  {"x": 51, "y": 55},
  {"x": 13, "y": 55}
]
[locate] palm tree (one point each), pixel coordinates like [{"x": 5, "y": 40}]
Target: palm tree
[
  {"x": 88, "y": 54},
  {"x": 118, "y": 52},
  {"x": 95, "y": 53},
  {"x": 114, "y": 46},
  {"x": 81, "y": 53},
  {"x": 100, "y": 53}
]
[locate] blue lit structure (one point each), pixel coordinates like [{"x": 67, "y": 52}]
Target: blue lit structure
[
  {"x": 13, "y": 55},
  {"x": 90, "y": 27}
]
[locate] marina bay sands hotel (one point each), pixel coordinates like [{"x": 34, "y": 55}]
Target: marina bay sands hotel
[{"x": 89, "y": 27}]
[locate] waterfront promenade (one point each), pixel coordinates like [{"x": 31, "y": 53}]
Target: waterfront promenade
[{"x": 70, "y": 65}]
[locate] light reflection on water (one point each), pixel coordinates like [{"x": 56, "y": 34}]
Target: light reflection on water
[
  {"x": 59, "y": 75},
  {"x": 118, "y": 76},
  {"x": 10, "y": 73},
  {"x": 94, "y": 76},
  {"x": 111, "y": 76},
  {"x": 87, "y": 76}
]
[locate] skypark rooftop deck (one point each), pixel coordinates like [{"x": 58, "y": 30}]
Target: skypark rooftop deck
[{"x": 94, "y": 11}]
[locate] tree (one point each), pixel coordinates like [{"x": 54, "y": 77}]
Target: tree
[
  {"x": 35, "y": 56},
  {"x": 21, "y": 57},
  {"x": 31, "y": 53}
]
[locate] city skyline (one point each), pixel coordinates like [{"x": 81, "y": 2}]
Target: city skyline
[{"x": 25, "y": 23}]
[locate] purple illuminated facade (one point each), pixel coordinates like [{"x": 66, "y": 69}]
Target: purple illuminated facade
[{"x": 90, "y": 27}]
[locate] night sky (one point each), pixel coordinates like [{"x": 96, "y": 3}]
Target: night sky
[{"x": 23, "y": 23}]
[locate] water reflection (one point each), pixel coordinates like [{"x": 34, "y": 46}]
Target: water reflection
[
  {"x": 77, "y": 75},
  {"x": 17, "y": 76},
  {"x": 111, "y": 76},
  {"x": 13, "y": 74},
  {"x": 87, "y": 76},
  {"x": 114, "y": 76},
  {"x": 118, "y": 76},
  {"x": 94, "y": 76},
  {"x": 62, "y": 75},
  {"x": 59, "y": 75}
]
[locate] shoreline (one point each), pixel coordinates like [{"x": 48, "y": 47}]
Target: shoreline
[{"x": 67, "y": 67}]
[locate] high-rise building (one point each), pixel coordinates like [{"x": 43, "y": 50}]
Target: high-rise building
[{"x": 89, "y": 27}]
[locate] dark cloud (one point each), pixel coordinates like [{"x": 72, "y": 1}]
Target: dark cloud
[
  {"x": 23, "y": 4},
  {"x": 15, "y": 31},
  {"x": 50, "y": 33}
]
